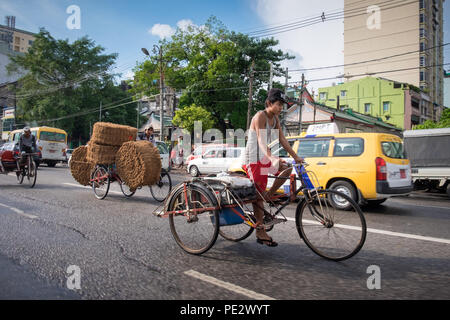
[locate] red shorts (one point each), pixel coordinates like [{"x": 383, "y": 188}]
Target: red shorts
[{"x": 258, "y": 172}]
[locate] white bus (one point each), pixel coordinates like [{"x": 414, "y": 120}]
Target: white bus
[{"x": 52, "y": 142}]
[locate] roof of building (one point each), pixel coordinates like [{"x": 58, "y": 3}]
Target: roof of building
[{"x": 16, "y": 30}]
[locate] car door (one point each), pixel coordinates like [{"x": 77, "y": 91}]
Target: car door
[
  {"x": 207, "y": 161},
  {"x": 316, "y": 152}
]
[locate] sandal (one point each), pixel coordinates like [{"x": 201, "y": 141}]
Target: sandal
[{"x": 267, "y": 242}]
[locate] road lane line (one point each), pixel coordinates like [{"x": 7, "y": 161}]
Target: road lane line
[
  {"x": 90, "y": 188},
  {"x": 389, "y": 233},
  {"x": 227, "y": 285},
  {"x": 19, "y": 212}
]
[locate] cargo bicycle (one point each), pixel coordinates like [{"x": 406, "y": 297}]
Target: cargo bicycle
[
  {"x": 201, "y": 209},
  {"x": 103, "y": 175}
]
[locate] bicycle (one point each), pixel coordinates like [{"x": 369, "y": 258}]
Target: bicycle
[
  {"x": 201, "y": 209},
  {"x": 102, "y": 176},
  {"x": 27, "y": 168}
]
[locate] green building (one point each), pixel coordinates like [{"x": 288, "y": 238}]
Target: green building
[{"x": 399, "y": 104}]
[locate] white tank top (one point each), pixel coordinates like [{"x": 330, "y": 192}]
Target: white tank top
[{"x": 253, "y": 153}]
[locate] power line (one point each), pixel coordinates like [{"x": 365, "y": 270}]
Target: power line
[
  {"x": 366, "y": 61},
  {"x": 329, "y": 17}
]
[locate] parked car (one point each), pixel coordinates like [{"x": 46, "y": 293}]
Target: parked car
[
  {"x": 368, "y": 167},
  {"x": 164, "y": 154},
  {"x": 10, "y": 150},
  {"x": 214, "y": 160},
  {"x": 197, "y": 153}
]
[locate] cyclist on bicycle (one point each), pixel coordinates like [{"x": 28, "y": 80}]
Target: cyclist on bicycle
[
  {"x": 259, "y": 161},
  {"x": 27, "y": 142}
]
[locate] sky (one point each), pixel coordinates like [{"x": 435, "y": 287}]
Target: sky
[{"x": 124, "y": 27}]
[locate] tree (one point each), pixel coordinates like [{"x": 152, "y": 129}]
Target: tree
[
  {"x": 444, "y": 122},
  {"x": 212, "y": 65},
  {"x": 186, "y": 117},
  {"x": 65, "y": 84}
]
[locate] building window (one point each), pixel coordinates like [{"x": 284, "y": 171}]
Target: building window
[
  {"x": 423, "y": 61},
  {"x": 367, "y": 108},
  {"x": 422, "y": 76},
  {"x": 423, "y": 33},
  {"x": 17, "y": 40},
  {"x": 422, "y": 18},
  {"x": 422, "y": 4},
  {"x": 322, "y": 95},
  {"x": 343, "y": 93},
  {"x": 30, "y": 42},
  {"x": 386, "y": 106},
  {"x": 422, "y": 46},
  {"x": 16, "y": 48}
]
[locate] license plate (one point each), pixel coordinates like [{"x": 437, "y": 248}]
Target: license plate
[
  {"x": 52, "y": 151},
  {"x": 402, "y": 173}
]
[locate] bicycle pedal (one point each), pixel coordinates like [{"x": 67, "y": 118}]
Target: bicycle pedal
[{"x": 274, "y": 221}]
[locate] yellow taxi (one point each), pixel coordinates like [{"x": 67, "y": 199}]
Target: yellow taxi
[{"x": 368, "y": 167}]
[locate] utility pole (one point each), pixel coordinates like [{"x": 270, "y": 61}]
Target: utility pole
[
  {"x": 250, "y": 94},
  {"x": 161, "y": 96},
  {"x": 284, "y": 106},
  {"x": 301, "y": 105},
  {"x": 138, "y": 113},
  {"x": 100, "y": 119},
  {"x": 270, "y": 77}
]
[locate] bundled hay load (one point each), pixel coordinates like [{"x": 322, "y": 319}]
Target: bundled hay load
[
  {"x": 80, "y": 168},
  {"x": 110, "y": 134},
  {"x": 138, "y": 163},
  {"x": 101, "y": 154}
]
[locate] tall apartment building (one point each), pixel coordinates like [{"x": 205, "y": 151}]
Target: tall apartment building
[{"x": 375, "y": 29}]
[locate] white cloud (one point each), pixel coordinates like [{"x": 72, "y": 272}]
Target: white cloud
[
  {"x": 314, "y": 46},
  {"x": 162, "y": 30},
  {"x": 184, "y": 24},
  {"x": 129, "y": 75}
]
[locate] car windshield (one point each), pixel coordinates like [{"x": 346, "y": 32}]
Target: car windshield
[
  {"x": 393, "y": 149},
  {"x": 52, "y": 136}
]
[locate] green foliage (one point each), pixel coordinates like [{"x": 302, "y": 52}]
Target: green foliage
[
  {"x": 65, "y": 79},
  {"x": 444, "y": 122},
  {"x": 185, "y": 118}
]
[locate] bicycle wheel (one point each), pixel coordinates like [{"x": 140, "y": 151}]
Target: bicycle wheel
[
  {"x": 330, "y": 232},
  {"x": 20, "y": 176},
  {"x": 31, "y": 170},
  {"x": 100, "y": 182},
  {"x": 162, "y": 188},
  {"x": 126, "y": 189},
  {"x": 194, "y": 231}
]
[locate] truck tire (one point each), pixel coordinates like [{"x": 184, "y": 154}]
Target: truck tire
[{"x": 448, "y": 190}]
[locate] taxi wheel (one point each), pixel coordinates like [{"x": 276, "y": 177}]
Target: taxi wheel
[{"x": 346, "y": 188}]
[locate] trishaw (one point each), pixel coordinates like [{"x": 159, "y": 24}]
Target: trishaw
[
  {"x": 202, "y": 208},
  {"x": 22, "y": 164}
]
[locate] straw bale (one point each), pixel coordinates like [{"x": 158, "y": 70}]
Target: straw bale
[{"x": 138, "y": 163}]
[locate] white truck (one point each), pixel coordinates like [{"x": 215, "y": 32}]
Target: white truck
[{"x": 429, "y": 153}]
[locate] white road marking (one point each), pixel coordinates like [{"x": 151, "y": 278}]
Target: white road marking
[
  {"x": 19, "y": 212},
  {"x": 90, "y": 188},
  {"x": 389, "y": 233},
  {"x": 227, "y": 285}
]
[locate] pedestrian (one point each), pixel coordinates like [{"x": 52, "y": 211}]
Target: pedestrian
[{"x": 149, "y": 135}]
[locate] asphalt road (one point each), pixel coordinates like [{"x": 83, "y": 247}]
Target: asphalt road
[{"x": 124, "y": 252}]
